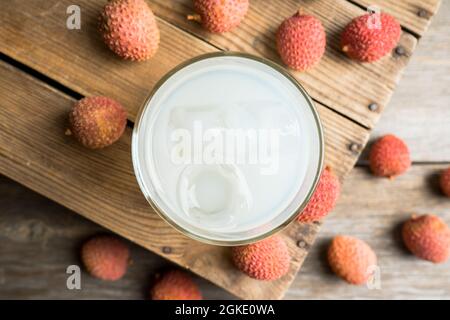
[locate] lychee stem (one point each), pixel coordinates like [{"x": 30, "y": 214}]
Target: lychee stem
[
  {"x": 194, "y": 17},
  {"x": 68, "y": 132},
  {"x": 300, "y": 12},
  {"x": 345, "y": 48}
]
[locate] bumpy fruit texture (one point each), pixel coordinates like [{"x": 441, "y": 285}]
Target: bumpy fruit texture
[
  {"x": 427, "y": 237},
  {"x": 324, "y": 198},
  {"x": 445, "y": 182},
  {"x": 175, "y": 285},
  {"x": 370, "y": 37},
  {"x": 220, "y": 15},
  {"x": 105, "y": 257},
  {"x": 268, "y": 259},
  {"x": 97, "y": 122},
  {"x": 301, "y": 41},
  {"x": 389, "y": 157},
  {"x": 351, "y": 259},
  {"x": 129, "y": 29}
]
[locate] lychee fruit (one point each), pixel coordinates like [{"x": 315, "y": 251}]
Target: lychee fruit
[
  {"x": 427, "y": 237},
  {"x": 129, "y": 29},
  {"x": 105, "y": 257},
  {"x": 175, "y": 285},
  {"x": 268, "y": 259},
  {"x": 219, "y": 15},
  {"x": 351, "y": 259},
  {"x": 389, "y": 157},
  {"x": 444, "y": 181},
  {"x": 97, "y": 122},
  {"x": 324, "y": 198},
  {"x": 370, "y": 37},
  {"x": 301, "y": 41}
]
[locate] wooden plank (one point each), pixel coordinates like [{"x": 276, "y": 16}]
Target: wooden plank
[
  {"x": 101, "y": 185},
  {"x": 346, "y": 86},
  {"x": 373, "y": 209},
  {"x": 34, "y": 33},
  {"x": 414, "y": 15}
]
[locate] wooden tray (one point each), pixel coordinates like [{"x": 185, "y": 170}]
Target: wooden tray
[{"x": 46, "y": 67}]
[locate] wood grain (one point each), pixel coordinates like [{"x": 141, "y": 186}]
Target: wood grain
[
  {"x": 34, "y": 33},
  {"x": 354, "y": 85},
  {"x": 414, "y": 15},
  {"x": 101, "y": 185}
]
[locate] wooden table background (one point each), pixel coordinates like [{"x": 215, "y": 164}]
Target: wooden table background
[{"x": 39, "y": 238}]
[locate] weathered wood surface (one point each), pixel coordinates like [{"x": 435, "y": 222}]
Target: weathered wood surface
[
  {"x": 40, "y": 239},
  {"x": 378, "y": 206},
  {"x": 419, "y": 111},
  {"x": 101, "y": 185},
  {"x": 35, "y": 34}
]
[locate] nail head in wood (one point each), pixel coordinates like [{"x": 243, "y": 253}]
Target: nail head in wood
[
  {"x": 422, "y": 13},
  {"x": 373, "y": 107},
  {"x": 400, "y": 51},
  {"x": 301, "y": 244},
  {"x": 354, "y": 147},
  {"x": 166, "y": 250}
]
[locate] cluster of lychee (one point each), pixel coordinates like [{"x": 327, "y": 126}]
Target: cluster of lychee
[{"x": 301, "y": 39}]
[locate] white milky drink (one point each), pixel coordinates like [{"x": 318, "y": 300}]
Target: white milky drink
[{"x": 228, "y": 148}]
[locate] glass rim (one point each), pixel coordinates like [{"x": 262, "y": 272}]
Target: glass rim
[{"x": 137, "y": 167}]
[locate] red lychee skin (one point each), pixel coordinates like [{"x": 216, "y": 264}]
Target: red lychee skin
[
  {"x": 324, "y": 198},
  {"x": 105, "y": 257},
  {"x": 129, "y": 29},
  {"x": 175, "y": 285},
  {"x": 389, "y": 157},
  {"x": 221, "y": 15},
  {"x": 301, "y": 41},
  {"x": 97, "y": 122},
  {"x": 268, "y": 259},
  {"x": 351, "y": 259},
  {"x": 366, "y": 40},
  {"x": 427, "y": 237},
  {"x": 444, "y": 181}
]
